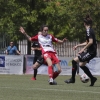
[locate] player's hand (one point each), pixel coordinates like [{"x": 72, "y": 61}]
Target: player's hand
[
  {"x": 22, "y": 30},
  {"x": 74, "y": 48},
  {"x": 64, "y": 39},
  {"x": 32, "y": 49}
]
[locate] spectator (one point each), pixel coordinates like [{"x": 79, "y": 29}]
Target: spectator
[{"x": 12, "y": 49}]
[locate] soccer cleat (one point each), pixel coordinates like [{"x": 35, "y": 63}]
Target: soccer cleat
[
  {"x": 54, "y": 82},
  {"x": 93, "y": 80},
  {"x": 33, "y": 78},
  {"x": 70, "y": 81},
  {"x": 51, "y": 81}
]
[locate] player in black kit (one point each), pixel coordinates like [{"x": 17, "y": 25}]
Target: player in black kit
[
  {"x": 38, "y": 59},
  {"x": 87, "y": 53}
]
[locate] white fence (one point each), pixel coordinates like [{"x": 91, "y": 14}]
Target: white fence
[{"x": 65, "y": 49}]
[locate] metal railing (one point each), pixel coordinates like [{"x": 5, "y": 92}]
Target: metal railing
[{"x": 65, "y": 49}]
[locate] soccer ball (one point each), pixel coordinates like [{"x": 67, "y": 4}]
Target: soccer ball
[{"x": 84, "y": 78}]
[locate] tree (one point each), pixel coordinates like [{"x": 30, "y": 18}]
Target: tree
[{"x": 64, "y": 17}]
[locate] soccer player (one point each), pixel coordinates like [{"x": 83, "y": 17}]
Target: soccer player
[
  {"x": 37, "y": 57},
  {"x": 87, "y": 53},
  {"x": 45, "y": 39}
]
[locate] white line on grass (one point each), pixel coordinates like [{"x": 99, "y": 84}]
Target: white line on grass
[
  {"x": 51, "y": 90},
  {"x": 64, "y": 90}
]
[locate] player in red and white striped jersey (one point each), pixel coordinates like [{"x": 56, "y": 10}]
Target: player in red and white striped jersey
[{"x": 50, "y": 56}]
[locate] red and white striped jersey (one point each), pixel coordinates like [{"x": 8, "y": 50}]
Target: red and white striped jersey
[{"x": 45, "y": 42}]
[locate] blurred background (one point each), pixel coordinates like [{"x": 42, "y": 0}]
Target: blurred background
[{"x": 64, "y": 18}]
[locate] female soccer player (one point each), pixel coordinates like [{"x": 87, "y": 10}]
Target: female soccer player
[
  {"x": 50, "y": 56},
  {"x": 87, "y": 53}
]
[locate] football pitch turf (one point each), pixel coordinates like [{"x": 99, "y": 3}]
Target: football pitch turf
[{"x": 21, "y": 87}]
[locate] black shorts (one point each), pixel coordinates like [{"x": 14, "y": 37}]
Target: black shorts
[
  {"x": 40, "y": 60},
  {"x": 86, "y": 56}
]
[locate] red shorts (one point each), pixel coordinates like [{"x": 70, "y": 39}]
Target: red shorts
[{"x": 53, "y": 56}]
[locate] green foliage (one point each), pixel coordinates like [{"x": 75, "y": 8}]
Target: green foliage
[{"x": 64, "y": 17}]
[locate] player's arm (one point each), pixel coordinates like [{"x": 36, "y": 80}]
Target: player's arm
[
  {"x": 62, "y": 41},
  {"x": 82, "y": 44},
  {"x": 35, "y": 48},
  {"x": 88, "y": 43},
  {"x": 79, "y": 45},
  {"x": 23, "y": 32},
  {"x": 58, "y": 40}
]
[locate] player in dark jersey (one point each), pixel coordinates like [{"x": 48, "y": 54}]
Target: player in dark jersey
[
  {"x": 87, "y": 53},
  {"x": 38, "y": 59}
]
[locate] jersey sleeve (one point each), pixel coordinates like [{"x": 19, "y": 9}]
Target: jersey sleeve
[
  {"x": 54, "y": 39},
  {"x": 34, "y": 38},
  {"x": 91, "y": 36}
]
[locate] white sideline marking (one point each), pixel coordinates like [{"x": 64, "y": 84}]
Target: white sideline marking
[{"x": 51, "y": 90}]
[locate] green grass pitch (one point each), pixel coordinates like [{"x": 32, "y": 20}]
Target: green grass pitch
[{"x": 21, "y": 87}]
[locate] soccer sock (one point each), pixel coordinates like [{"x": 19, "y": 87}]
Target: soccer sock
[
  {"x": 35, "y": 73},
  {"x": 50, "y": 71},
  {"x": 87, "y": 71},
  {"x": 74, "y": 68},
  {"x": 55, "y": 74}
]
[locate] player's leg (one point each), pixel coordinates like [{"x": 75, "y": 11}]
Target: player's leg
[
  {"x": 86, "y": 69},
  {"x": 58, "y": 71},
  {"x": 74, "y": 69},
  {"x": 47, "y": 58},
  {"x": 83, "y": 58},
  {"x": 35, "y": 70},
  {"x": 56, "y": 61},
  {"x": 38, "y": 63},
  {"x": 50, "y": 70}
]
